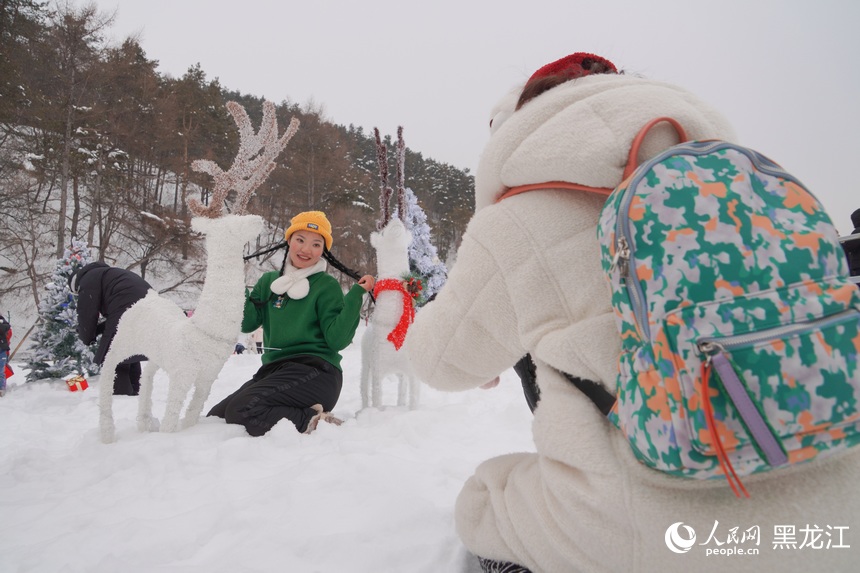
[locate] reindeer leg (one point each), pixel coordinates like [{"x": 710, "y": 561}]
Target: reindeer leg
[
  {"x": 145, "y": 421},
  {"x": 176, "y": 393},
  {"x": 414, "y": 391},
  {"x": 202, "y": 387},
  {"x": 365, "y": 379},
  {"x": 375, "y": 387},
  {"x": 401, "y": 389},
  {"x": 106, "y": 423}
]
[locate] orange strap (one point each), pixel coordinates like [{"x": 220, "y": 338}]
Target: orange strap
[
  {"x": 722, "y": 456},
  {"x": 632, "y": 164},
  {"x": 554, "y": 185}
]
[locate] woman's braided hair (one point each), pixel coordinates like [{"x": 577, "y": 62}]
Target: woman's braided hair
[{"x": 330, "y": 258}]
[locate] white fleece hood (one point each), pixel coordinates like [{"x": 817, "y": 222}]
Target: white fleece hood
[{"x": 581, "y": 131}]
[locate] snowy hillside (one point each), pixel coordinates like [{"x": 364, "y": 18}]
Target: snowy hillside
[{"x": 373, "y": 495}]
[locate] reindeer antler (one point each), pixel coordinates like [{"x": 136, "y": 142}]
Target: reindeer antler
[
  {"x": 401, "y": 177},
  {"x": 385, "y": 190},
  {"x": 254, "y": 161}
]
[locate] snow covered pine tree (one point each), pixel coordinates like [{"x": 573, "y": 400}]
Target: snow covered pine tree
[
  {"x": 57, "y": 350},
  {"x": 424, "y": 261}
]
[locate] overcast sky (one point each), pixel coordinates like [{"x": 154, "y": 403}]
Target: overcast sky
[{"x": 784, "y": 72}]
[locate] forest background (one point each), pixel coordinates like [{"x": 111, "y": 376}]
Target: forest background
[{"x": 96, "y": 144}]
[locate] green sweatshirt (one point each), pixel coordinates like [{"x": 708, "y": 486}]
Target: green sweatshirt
[{"x": 321, "y": 324}]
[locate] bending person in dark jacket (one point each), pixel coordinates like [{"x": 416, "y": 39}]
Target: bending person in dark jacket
[
  {"x": 108, "y": 291},
  {"x": 852, "y": 248}
]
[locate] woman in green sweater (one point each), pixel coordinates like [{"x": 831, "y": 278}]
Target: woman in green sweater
[{"x": 307, "y": 321}]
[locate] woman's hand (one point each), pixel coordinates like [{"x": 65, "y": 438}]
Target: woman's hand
[{"x": 366, "y": 282}]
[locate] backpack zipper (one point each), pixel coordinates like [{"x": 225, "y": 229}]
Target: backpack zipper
[
  {"x": 711, "y": 345},
  {"x": 623, "y": 260}
]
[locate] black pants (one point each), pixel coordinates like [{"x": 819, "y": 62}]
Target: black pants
[
  {"x": 127, "y": 379},
  {"x": 283, "y": 389}
]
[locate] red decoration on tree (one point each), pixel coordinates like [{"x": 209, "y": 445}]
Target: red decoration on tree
[{"x": 414, "y": 286}]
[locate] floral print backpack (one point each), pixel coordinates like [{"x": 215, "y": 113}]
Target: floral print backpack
[{"x": 740, "y": 327}]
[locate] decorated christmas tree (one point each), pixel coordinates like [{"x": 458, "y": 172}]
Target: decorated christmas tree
[
  {"x": 57, "y": 350},
  {"x": 423, "y": 259}
]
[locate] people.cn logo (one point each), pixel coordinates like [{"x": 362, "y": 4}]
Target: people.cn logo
[{"x": 676, "y": 542}]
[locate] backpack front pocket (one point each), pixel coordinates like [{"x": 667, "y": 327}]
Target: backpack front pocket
[{"x": 778, "y": 396}]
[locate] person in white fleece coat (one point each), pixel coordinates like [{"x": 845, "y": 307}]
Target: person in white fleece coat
[{"x": 528, "y": 280}]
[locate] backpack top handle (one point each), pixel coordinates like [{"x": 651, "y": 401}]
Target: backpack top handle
[{"x": 633, "y": 156}]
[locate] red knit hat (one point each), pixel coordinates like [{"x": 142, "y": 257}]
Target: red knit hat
[{"x": 575, "y": 66}]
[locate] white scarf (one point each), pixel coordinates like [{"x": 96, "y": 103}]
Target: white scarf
[{"x": 294, "y": 281}]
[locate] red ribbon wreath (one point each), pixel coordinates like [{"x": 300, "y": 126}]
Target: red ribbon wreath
[{"x": 398, "y": 335}]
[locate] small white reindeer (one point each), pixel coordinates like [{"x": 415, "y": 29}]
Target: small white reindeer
[
  {"x": 380, "y": 346},
  {"x": 192, "y": 350}
]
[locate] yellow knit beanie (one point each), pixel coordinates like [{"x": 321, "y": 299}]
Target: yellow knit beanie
[{"x": 313, "y": 221}]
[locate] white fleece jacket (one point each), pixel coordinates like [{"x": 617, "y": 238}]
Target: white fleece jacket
[{"x": 528, "y": 279}]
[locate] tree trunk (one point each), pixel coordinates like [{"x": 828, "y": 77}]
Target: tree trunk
[
  {"x": 91, "y": 225},
  {"x": 159, "y": 185},
  {"x": 105, "y": 231},
  {"x": 176, "y": 196},
  {"x": 64, "y": 179},
  {"x": 311, "y": 182},
  {"x": 76, "y": 208},
  {"x": 184, "y": 212},
  {"x": 96, "y": 206}
]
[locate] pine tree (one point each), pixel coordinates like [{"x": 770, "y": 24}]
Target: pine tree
[
  {"x": 58, "y": 351},
  {"x": 424, "y": 261}
]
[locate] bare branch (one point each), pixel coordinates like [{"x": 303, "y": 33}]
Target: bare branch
[
  {"x": 193, "y": 278},
  {"x": 385, "y": 190},
  {"x": 401, "y": 177}
]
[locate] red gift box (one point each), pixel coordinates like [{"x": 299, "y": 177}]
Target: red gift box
[{"x": 77, "y": 383}]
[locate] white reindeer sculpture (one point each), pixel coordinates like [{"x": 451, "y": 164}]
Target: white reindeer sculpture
[
  {"x": 192, "y": 350},
  {"x": 394, "y": 311}
]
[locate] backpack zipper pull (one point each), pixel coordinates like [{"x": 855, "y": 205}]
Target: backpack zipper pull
[
  {"x": 738, "y": 394},
  {"x": 621, "y": 259},
  {"x": 709, "y": 348},
  {"x": 719, "y": 451}
]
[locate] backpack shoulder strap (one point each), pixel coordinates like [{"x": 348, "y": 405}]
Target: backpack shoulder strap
[
  {"x": 632, "y": 164},
  {"x": 605, "y": 191},
  {"x": 595, "y": 392}
]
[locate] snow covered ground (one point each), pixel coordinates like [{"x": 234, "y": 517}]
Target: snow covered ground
[{"x": 373, "y": 495}]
